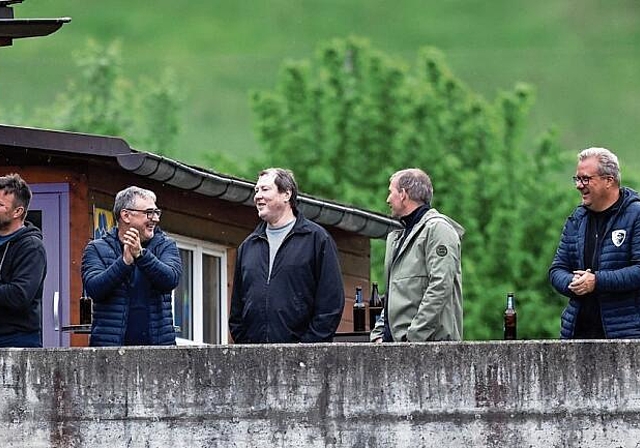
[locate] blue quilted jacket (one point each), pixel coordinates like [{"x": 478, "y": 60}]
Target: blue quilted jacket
[
  {"x": 109, "y": 282},
  {"x": 617, "y": 269}
]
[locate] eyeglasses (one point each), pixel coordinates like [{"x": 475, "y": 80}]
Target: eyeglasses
[
  {"x": 584, "y": 180},
  {"x": 149, "y": 212}
]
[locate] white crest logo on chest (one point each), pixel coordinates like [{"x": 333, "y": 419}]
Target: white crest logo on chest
[{"x": 618, "y": 236}]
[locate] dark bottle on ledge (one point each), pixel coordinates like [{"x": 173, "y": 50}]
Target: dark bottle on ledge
[
  {"x": 375, "y": 306},
  {"x": 510, "y": 318},
  {"x": 358, "y": 311},
  {"x": 85, "y": 310}
]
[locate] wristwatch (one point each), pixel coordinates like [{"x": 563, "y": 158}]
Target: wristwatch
[{"x": 141, "y": 253}]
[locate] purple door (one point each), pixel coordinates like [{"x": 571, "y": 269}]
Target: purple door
[{"x": 49, "y": 210}]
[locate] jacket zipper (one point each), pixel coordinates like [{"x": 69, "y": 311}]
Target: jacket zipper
[
  {"x": 286, "y": 238},
  {"x": 4, "y": 255},
  {"x": 266, "y": 240}
]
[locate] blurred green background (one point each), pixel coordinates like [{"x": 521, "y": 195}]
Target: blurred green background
[{"x": 582, "y": 57}]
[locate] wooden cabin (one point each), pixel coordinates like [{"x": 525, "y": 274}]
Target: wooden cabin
[{"x": 75, "y": 177}]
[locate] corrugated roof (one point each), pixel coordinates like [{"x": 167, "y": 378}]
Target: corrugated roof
[{"x": 191, "y": 178}]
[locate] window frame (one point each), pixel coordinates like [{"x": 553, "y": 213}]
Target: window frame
[{"x": 200, "y": 248}]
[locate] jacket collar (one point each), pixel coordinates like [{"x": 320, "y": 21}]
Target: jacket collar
[
  {"x": 627, "y": 196},
  {"x": 412, "y": 218},
  {"x": 417, "y": 226},
  {"x": 301, "y": 226}
]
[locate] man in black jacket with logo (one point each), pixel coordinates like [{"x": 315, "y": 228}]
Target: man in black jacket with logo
[
  {"x": 287, "y": 285},
  {"x": 23, "y": 266}
]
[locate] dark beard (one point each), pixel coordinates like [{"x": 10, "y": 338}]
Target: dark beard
[{"x": 4, "y": 225}]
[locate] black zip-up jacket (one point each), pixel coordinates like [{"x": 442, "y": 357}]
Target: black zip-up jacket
[
  {"x": 23, "y": 267},
  {"x": 303, "y": 299}
]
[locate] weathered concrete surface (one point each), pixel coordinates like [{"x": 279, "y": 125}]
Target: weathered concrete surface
[{"x": 494, "y": 394}]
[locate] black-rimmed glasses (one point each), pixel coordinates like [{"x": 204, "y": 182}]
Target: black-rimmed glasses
[
  {"x": 149, "y": 212},
  {"x": 584, "y": 180}
]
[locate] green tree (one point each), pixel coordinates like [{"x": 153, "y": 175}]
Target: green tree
[
  {"x": 350, "y": 117},
  {"x": 102, "y": 100}
]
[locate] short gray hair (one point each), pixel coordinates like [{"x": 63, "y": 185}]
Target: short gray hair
[
  {"x": 416, "y": 183},
  {"x": 607, "y": 162},
  {"x": 127, "y": 198}
]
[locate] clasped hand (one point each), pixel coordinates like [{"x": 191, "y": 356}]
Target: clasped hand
[
  {"x": 583, "y": 282},
  {"x": 132, "y": 245}
]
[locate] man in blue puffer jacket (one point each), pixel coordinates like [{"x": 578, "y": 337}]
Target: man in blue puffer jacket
[
  {"x": 130, "y": 273},
  {"x": 597, "y": 264}
]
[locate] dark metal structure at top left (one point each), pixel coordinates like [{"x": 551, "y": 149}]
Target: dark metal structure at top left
[{"x": 12, "y": 28}]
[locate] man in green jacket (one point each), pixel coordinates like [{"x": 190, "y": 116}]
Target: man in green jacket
[{"x": 422, "y": 267}]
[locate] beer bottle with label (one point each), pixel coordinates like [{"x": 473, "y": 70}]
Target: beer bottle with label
[
  {"x": 358, "y": 311},
  {"x": 510, "y": 318},
  {"x": 375, "y": 306}
]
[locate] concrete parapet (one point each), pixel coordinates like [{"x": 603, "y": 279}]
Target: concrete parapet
[{"x": 472, "y": 394}]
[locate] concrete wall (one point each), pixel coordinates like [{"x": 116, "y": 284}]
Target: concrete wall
[{"x": 494, "y": 394}]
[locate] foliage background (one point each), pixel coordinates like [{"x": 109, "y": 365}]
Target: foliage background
[
  {"x": 583, "y": 58},
  {"x": 181, "y": 87},
  {"x": 349, "y": 117}
]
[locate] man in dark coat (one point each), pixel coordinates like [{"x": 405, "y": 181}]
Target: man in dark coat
[
  {"x": 130, "y": 274},
  {"x": 597, "y": 264},
  {"x": 287, "y": 285},
  {"x": 23, "y": 267}
]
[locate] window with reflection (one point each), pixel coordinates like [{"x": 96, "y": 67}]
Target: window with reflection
[
  {"x": 200, "y": 300},
  {"x": 183, "y": 297}
]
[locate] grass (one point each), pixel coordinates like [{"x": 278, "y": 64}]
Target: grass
[{"x": 582, "y": 57}]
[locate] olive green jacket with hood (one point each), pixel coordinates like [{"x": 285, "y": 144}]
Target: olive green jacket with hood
[{"x": 424, "y": 282}]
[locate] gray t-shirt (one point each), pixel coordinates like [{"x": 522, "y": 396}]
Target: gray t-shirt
[{"x": 275, "y": 236}]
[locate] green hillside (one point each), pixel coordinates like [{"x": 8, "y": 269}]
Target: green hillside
[{"x": 583, "y": 57}]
